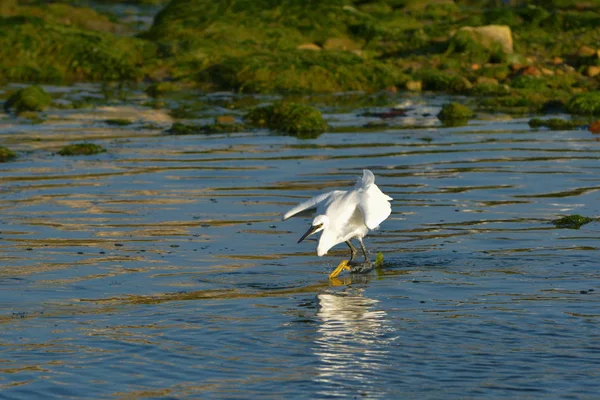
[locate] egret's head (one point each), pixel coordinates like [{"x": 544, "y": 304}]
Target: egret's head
[{"x": 319, "y": 223}]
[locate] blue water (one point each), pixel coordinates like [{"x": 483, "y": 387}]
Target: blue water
[{"x": 161, "y": 269}]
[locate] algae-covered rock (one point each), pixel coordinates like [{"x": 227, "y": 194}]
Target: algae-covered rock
[
  {"x": 296, "y": 119},
  {"x": 81, "y": 149},
  {"x": 572, "y": 221},
  {"x": 31, "y": 98},
  {"x": 455, "y": 114},
  {"x": 33, "y": 50},
  {"x": 555, "y": 124},
  {"x": 443, "y": 81},
  {"x": 585, "y": 104},
  {"x": 299, "y": 71},
  {"x": 118, "y": 121},
  {"x": 6, "y": 154},
  {"x": 179, "y": 128}
]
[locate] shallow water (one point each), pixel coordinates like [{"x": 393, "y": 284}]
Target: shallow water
[{"x": 161, "y": 269}]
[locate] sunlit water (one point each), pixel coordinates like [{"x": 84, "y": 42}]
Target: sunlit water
[{"x": 161, "y": 269}]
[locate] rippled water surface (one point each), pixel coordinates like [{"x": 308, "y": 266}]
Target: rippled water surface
[{"x": 161, "y": 269}]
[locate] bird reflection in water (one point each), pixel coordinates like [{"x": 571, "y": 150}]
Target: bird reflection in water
[{"x": 351, "y": 343}]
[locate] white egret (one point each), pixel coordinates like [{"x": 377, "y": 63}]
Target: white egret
[{"x": 346, "y": 214}]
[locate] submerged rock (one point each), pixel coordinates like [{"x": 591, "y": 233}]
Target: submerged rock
[
  {"x": 179, "y": 128},
  {"x": 555, "y": 124},
  {"x": 31, "y": 98},
  {"x": 6, "y": 154},
  {"x": 81, "y": 149},
  {"x": 572, "y": 221}
]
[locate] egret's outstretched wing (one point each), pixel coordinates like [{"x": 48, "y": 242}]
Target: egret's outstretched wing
[
  {"x": 366, "y": 181},
  {"x": 371, "y": 201},
  {"x": 308, "y": 204}
]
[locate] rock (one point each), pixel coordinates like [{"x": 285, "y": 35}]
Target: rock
[
  {"x": 530, "y": 71},
  {"x": 414, "y": 86},
  {"x": 340, "y": 44},
  {"x": 557, "y": 60},
  {"x": 300, "y": 120},
  {"x": 455, "y": 112},
  {"x": 490, "y": 34},
  {"x": 6, "y": 154},
  {"x": 547, "y": 72},
  {"x": 309, "y": 46},
  {"x": 585, "y": 51},
  {"x": 225, "y": 119},
  {"x": 595, "y": 127},
  {"x": 81, "y": 149},
  {"x": 592, "y": 71},
  {"x": 31, "y": 98},
  {"x": 484, "y": 80}
]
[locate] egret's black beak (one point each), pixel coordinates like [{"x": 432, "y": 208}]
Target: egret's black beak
[{"x": 309, "y": 232}]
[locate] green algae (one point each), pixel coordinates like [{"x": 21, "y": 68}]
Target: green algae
[
  {"x": 298, "y": 71},
  {"x": 81, "y": 149},
  {"x": 33, "y": 50},
  {"x": 31, "y": 98},
  {"x": 6, "y": 154},
  {"x": 585, "y": 104},
  {"x": 379, "y": 260},
  {"x": 291, "y": 118},
  {"x": 575, "y": 221}
]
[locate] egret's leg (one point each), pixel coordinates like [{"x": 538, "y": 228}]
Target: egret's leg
[
  {"x": 364, "y": 250},
  {"x": 366, "y": 266},
  {"x": 353, "y": 250}
]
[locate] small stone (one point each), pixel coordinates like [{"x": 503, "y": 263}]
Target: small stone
[
  {"x": 557, "y": 60},
  {"x": 309, "y": 46},
  {"x": 340, "y": 44},
  {"x": 592, "y": 71},
  {"x": 225, "y": 119},
  {"x": 530, "y": 71},
  {"x": 547, "y": 72},
  {"x": 585, "y": 51},
  {"x": 595, "y": 127},
  {"x": 484, "y": 80},
  {"x": 414, "y": 86}
]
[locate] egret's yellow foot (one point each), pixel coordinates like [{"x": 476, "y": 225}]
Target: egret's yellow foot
[{"x": 343, "y": 266}]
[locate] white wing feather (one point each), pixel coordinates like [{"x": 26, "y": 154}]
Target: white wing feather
[
  {"x": 308, "y": 204},
  {"x": 372, "y": 202}
]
